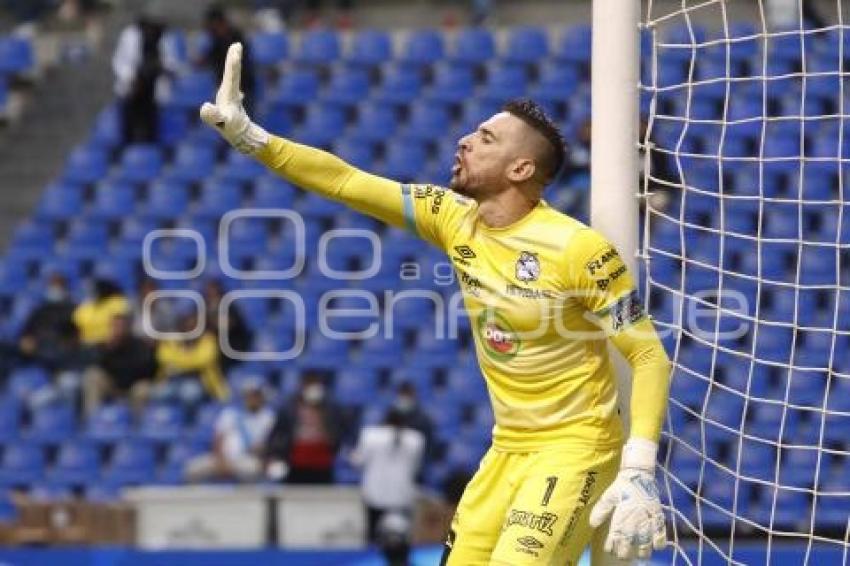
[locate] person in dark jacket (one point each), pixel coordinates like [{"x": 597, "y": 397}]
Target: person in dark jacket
[
  {"x": 222, "y": 32},
  {"x": 49, "y": 337},
  {"x": 125, "y": 368},
  {"x": 304, "y": 440}
]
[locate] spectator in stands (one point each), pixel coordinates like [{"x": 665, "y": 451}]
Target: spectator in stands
[
  {"x": 125, "y": 367},
  {"x": 189, "y": 369},
  {"x": 161, "y": 315},
  {"x": 303, "y": 443},
  {"x": 238, "y": 334},
  {"x": 142, "y": 60},
  {"x": 390, "y": 455},
  {"x": 94, "y": 316},
  {"x": 222, "y": 32},
  {"x": 239, "y": 442},
  {"x": 49, "y": 337},
  {"x": 412, "y": 414}
]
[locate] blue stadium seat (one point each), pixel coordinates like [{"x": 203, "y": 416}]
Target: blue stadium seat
[
  {"x": 202, "y": 430},
  {"x": 86, "y": 165},
  {"x": 240, "y": 167},
  {"x": 505, "y": 82},
  {"x": 113, "y": 201},
  {"x": 22, "y": 464},
  {"x": 166, "y": 200},
  {"x": 76, "y": 463},
  {"x": 403, "y": 162},
  {"x": 527, "y": 44},
  {"x": 298, "y": 87},
  {"x": 218, "y": 197},
  {"x": 370, "y": 48},
  {"x": 474, "y": 45},
  {"x": 87, "y": 233},
  {"x": 16, "y": 55},
  {"x": 427, "y": 122},
  {"x": 452, "y": 84},
  {"x": 192, "y": 163},
  {"x": 376, "y": 122},
  {"x": 271, "y": 191},
  {"x": 400, "y": 85},
  {"x": 758, "y": 460},
  {"x": 176, "y": 458},
  {"x": 10, "y": 417},
  {"x": 140, "y": 163},
  {"x": 109, "y": 424},
  {"x": 51, "y": 424},
  {"x": 132, "y": 463},
  {"x": 323, "y": 125},
  {"x": 423, "y": 47},
  {"x": 173, "y": 123},
  {"x": 358, "y": 151},
  {"x": 575, "y": 44},
  {"x": 348, "y": 86},
  {"x": 23, "y": 381},
  {"x": 60, "y": 201},
  {"x": 162, "y": 423},
  {"x": 381, "y": 351},
  {"x": 556, "y": 83},
  {"x": 269, "y": 48},
  {"x": 355, "y": 386},
  {"x": 192, "y": 89},
  {"x": 318, "y": 47},
  {"x": 34, "y": 235},
  {"x": 106, "y": 132}
]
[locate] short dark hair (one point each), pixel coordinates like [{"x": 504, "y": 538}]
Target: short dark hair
[{"x": 533, "y": 114}]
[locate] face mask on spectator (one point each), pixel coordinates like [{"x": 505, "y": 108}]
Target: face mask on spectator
[
  {"x": 405, "y": 403},
  {"x": 314, "y": 393},
  {"x": 55, "y": 294}
]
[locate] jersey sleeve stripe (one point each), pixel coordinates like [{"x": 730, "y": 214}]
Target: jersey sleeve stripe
[{"x": 409, "y": 213}]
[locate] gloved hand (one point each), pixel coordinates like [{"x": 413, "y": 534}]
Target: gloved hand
[
  {"x": 227, "y": 114},
  {"x": 632, "y": 502}
]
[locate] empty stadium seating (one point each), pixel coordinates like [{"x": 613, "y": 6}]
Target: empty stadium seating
[{"x": 396, "y": 107}]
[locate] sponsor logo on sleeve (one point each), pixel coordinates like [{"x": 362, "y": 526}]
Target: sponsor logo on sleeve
[
  {"x": 626, "y": 311},
  {"x": 463, "y": 254},
  {"x": 529, "y": 545},
  {"x": 598, "y": 266}
]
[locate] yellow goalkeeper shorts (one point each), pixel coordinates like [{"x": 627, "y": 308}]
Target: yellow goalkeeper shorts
[{"x": 529, "y": 508}]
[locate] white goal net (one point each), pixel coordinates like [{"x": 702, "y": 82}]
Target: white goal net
[{"x": 746, "y": 251}]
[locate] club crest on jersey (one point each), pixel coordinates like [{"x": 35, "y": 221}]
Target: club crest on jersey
[{"x": 527, "y": 267}]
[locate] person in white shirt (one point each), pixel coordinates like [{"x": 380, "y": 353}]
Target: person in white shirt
[
  {"x": 240, "y": 437},
  {"x": 145, "y": 55},
  {"x": 390, "y": 456}
]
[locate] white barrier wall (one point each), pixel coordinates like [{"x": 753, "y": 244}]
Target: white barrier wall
[{"x": 238, "y": 517}]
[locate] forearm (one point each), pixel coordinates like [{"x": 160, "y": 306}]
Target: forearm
[
  {"x": 650, "y": 378},
  {"x": 331, "y": 177}
]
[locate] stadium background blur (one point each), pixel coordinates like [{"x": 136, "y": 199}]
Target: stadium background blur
[{"x": 387, "y": 85}]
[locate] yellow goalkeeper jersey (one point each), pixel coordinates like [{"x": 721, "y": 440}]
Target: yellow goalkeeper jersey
[{"x": 543, "y": 296}]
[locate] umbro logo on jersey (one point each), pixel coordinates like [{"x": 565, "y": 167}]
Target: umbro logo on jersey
[
  {"x": 464, "y": 254},
  {"x": 530, "y": 542}
]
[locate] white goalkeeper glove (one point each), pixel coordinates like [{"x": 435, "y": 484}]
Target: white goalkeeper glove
[
  {"x": 227, "y": 114},
  {"x": 632, "y": 502}
]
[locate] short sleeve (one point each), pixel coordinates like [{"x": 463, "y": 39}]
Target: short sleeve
[
  {"x": 433, "y": 213},
  {"x": 602, "y": 282}
]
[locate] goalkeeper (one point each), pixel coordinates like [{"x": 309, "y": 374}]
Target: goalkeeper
[{"x": 544, "y": 293}]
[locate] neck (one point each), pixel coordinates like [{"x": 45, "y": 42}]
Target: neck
[{"x": 506, "y": 207}]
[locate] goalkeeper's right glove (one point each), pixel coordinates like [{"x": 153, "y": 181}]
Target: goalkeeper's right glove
[
  {"x": 227, "y": 114},
  {"x": 632, "y": 502}
]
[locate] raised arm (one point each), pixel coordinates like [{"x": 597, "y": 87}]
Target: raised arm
[{"x": 316, "y": 170}]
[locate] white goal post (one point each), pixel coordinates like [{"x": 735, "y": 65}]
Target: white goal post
[{"x": 744, "y": 251}]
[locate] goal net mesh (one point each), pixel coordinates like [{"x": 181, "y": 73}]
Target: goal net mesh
[{"x": 746, "y": 252}]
